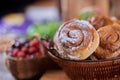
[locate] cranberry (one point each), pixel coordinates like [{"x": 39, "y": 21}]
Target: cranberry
[
  {"x": 38, "y": 54},
  {"x": 27, "y": 48},
  {"x": 34, "y": 43},
  {"x": 24, "y": 49},
  {"x": 21, "y": 54},
  {"x": 15, "y": 51},
  {"x": 41, "y": 49},
  {"x": 46, "y": 43},
  {"x": 32, "y": 50}
]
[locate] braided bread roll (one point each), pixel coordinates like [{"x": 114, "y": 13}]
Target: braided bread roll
[
  {"x": 100, "y": 21},
  {"x": 109, "y": 42},
  {"x": 76, "y": 40}
]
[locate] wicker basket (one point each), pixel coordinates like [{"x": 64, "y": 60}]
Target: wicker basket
[
  {"x": 89, "y": 70},
  {"x": 26, "y": 69},
  {"x": 50, "y": 64}
]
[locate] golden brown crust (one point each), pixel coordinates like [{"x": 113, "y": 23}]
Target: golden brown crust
[
  {"x": 100, "y": 21},
  {"x": 116, "y": 21},
  {"x": 109, "y": 42},
  {"x": 76, "y": 40}
]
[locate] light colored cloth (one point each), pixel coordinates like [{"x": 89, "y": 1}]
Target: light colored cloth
[{"x": 4, "y": 73}]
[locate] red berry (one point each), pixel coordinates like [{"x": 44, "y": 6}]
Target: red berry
[
  {"x": 24, "y": 49},
  {"x": 21, "y": 54},
  {"x": 46, "y": 43},
  {"x": 38, "y": 54},
  {"x": 32, "y": 50},
  {"x": 41, "y": 49},
  {"x": 28, "y": 56},
  {"x": 15, "y": 51},
  {"x": 34, "y": 43}
]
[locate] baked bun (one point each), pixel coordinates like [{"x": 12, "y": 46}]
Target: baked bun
[
  {"x": 100, "y": 21},
  {"x": 117, "y": 21},
  {"x": 76, "y": 40},
  {"x": 109, "y": 42}
]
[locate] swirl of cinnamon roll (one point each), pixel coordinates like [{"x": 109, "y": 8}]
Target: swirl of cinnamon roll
[
  {"x": 100, "y": 21},
  {"x": 76, "y": 40},
  {"x": 109, "y": 42}
]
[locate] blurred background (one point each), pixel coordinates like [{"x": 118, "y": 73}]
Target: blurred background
[
  {"x": 25, "y": 18},
  {"x": 59, "y": 8}
]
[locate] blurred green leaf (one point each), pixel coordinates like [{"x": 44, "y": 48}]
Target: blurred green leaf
[
  {"x": 45, "y": 30},
  {"x": 85, "y": 15}
]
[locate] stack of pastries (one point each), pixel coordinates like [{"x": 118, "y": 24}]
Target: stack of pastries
[{"x": 99, "y": 36}]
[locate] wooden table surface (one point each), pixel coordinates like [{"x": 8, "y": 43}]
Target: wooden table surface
[
  {"x": 54, "y": 75},
  {"x": 49, "y": 75}
]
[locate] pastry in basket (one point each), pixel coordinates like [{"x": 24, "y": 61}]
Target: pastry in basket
[
  {"x": 25, "y": 59},
  {"x": 109, "y": 42},
  {"x": 100, "y": 21},
  {"x": 76, "y": 40},
  {"x": 87, "y": 69},
  {"x": 117, "y": 21}
]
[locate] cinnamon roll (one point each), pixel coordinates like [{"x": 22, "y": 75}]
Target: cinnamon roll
[
  {"x": 117, "y": 21},
  {"x": 100, "y": 21},
  {"x": 76, "y": 40},
  {"x": 109, "y": 42}
]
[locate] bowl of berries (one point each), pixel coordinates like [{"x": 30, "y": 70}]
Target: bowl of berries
[{"x": 26, "y": 59}]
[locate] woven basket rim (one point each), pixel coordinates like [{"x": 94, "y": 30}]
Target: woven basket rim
[
  {"x": 67, "y": 60},
  {"x": 14, "y": 58}
]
